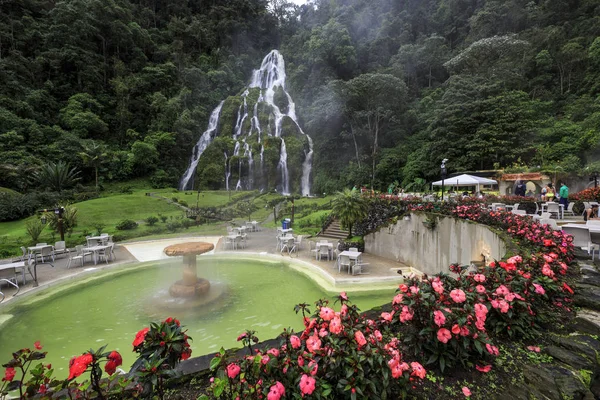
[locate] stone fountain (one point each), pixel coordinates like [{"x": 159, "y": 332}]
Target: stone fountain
[
  {"x": 191, "y": 293},
  {"x": 190, "y": 286}
]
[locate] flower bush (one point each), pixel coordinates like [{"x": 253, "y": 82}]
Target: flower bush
[
  {"x": 340, "y": 354},
  {"x": 161, "y": 347}
]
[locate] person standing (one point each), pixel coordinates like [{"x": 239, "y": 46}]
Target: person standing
[
  {"x": 563, "y": 193},
  {"x": 520, "y": 188}
]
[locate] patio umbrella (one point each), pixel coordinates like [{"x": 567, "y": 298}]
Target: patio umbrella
[{"x": 466, "y": 180}]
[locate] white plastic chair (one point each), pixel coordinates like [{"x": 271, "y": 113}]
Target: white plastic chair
[
  {"x": 581, "y": 238},
  {"x": 357, "y": 268},
  {"x": 79, "y": 254},
  {"x": 60, "y": 248},
  {"x": 569, "y": 209},
  {"x": 46, "y": 252},
  {"x": 353, "y": 249},
  {"x": 554, "y": 208},
  {"x": 344, "y": 261},
  {"x": 551, "y": 222}
]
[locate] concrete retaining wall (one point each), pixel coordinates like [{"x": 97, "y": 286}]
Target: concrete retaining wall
[{"x": 432, "y": 250}]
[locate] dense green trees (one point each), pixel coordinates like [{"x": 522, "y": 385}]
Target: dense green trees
[{"x": 388, "y": 87}]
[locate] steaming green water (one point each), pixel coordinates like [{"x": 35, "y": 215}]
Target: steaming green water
[{"x": 111, "y": 309}]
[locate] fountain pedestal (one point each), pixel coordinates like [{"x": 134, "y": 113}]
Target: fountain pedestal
[{"x": 190, "y": 285}]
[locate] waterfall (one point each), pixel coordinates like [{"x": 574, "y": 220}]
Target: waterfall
[
  {"x": 187, "y": 182},
  {"x": 227, "y": 172},
  {"x": 285, "y": 183},
  {"x": 269, "y": 77}
]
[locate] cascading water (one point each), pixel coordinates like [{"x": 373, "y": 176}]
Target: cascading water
[
  {"x": 269, "y": 78},
  {"x": 187, "y": 182},
  {"x": 227, "y": 172}
]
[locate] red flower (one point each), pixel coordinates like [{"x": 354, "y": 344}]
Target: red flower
[
  {"x": 78, "y": 365},
  {"x": 9, "y": 374},
  {"x": 242, "y": 336},
  {"x": 186, "y": 354},
  {"x": 140, "y": 337},
  {"x": 110, "y": 367},
  {"x": 360, "y": 338},
  {"x": 37, "y": 345},
  {"x": 567, "y": 288}
]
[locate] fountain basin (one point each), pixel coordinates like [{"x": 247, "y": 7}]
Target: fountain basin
[{"x": 110, "y": 306}]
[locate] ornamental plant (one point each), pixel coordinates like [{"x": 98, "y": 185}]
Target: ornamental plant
[
  {"x": 91, "y": 361},
  {"x": 21, "y": 364},
  {"x": 339, "y": 354},
  {"x": 160, "y": 347}
]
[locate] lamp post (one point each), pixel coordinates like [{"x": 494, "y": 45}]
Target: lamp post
[
  {"x": 59, "y": 212},
  {"x": 443, "y": 171}
]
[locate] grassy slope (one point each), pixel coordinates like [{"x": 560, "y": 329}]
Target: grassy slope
[{"x": 115, "y": 206}]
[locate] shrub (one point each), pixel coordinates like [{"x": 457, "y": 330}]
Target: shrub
[
  {"x": 339, "y": 355},
  {"x": 173, "y": 226},
  {"x": 126, "y": 224},
  {"x": 99, "y": 226},
  {"x": 174, "y": 199},
  {"x": 163, "y": 218},
  {"x": 183, "y": 203},
  {"x": 34, "y": 229},
  {"x": 160, "y": 347},
  {"x": 127, "y": 190},
  {"x": 152, "y": 220},
  {"x": 69, "y": 219}
]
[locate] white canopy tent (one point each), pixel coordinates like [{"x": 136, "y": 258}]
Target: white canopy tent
[{"x": 465, "y": 180}]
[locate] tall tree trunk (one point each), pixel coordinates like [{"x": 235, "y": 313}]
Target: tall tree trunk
[{"x": 355, "y": 144}]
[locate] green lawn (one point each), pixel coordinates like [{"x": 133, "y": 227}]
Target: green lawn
[{"x": 113, "y": 207}]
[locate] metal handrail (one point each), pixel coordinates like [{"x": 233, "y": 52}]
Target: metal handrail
[{"x": 12, "y": 283}]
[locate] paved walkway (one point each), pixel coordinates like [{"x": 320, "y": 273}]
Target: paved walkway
[{"x": 261, "y": 244}]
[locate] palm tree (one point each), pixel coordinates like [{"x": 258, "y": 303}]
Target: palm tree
[
  {"x": 93, "y": 155},
  {"x": 349, "y": 207},
  {"x": 57, "y": 176}
]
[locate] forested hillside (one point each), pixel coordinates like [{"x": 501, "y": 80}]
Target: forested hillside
[
  {"x": 386, "y": 88},
  {"x": 391, "y": 87},
  {"x": 125, "y": 86}
]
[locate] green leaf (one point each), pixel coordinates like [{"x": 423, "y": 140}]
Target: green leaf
[
  {"x": 442, "y": 363},
  {"x": 215, "y": 362}
]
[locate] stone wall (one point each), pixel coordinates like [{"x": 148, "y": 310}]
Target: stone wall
[{"x": 432, "y": 250}]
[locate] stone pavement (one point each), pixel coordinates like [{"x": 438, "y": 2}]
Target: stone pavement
[{"x": 380, "y": 271}]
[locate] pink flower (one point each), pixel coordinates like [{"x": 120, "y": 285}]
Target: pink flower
[
  {"x": 274, "y": 352},
  {"x": 335, "y": 326},
  {"x": 343, "y": 296},
  {"x": 458, "y": 296},
  {"x": 386, "y": 316},
  {"x": 439, "y": 318},
  {"x": 493, "y": 350},
  {"x": 546, "y": 270},
  {"x": 406, "y": 314},
  {"x": 378, "y": 336},
  {"x": 480, "y": 289},
  {"x": 414, "y": 289},
  {"x": 533, "y": 348},
  {"x": 484, "y": 369},
  {"x": 502, "y": 290},
  {"x": 233, "y": 370},
  {"x": 403, "y": 288},
  {"x": 479, "y": 278},
  {"x": 480, "y": 310},
  {"x": 396, "y": 368},
  {"x": 307, "y": 385},
  {"x": 276, "y": 391},
  {"x": 37, "y": 345},
  {"x": 466, "y": 391},
  {"x": 398, "y": 298},
  {"x": 313, "y": 343},
  {"x": 418, "y": 370},
  {"x": 444, "y": 335},
  {"x": 438, "y": 287},
  {"x": 327, "y": 313},
  {"x": 539, "y": 289},
  {"x": 360, "y": 338},
  {"x": 295, "y": 341},
  {"x": 455, "y": 329}
]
